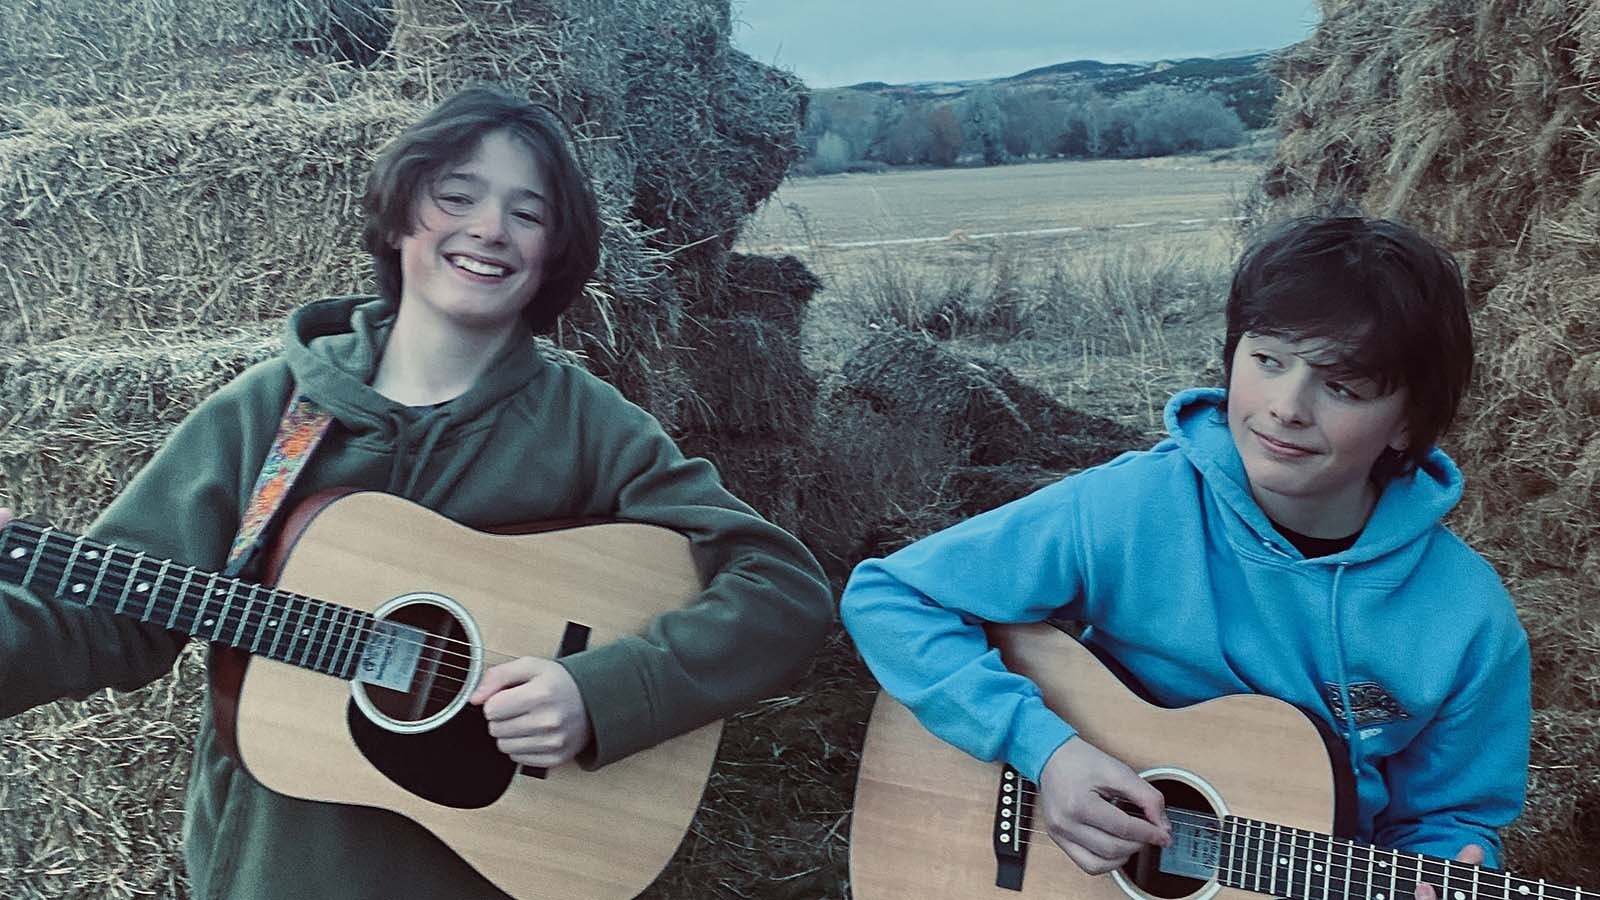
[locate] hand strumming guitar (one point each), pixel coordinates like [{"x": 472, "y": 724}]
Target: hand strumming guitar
[
  {"x": 1074, "y": 788},
  {"x": 534, "y": 710}
]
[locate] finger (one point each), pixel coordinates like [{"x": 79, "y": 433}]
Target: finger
[
  {"x": 530, "y": 724},
  {"x": 498, "y": 678},
  {"x": 1106, "y": 817},
  {"x": 529, "y": 745},
  {"x": 1105, "y": 846},
  {"x": 5, "y": 516},
  {"x": 1425, "y": 892},
  {"x": 1471, "y": 853},
  {"x": 1087, "y": 860},
  {"x": 1152, "y": 804}
]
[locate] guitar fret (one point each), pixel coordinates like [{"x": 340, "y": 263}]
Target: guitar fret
[
  {"x": 1349, "y": 870},
  {"x": 228, "y": 596},
  {"x": 200, "y": 619},
  {"x": 66, "y": 572},
  {"x": 1233, "y": 847},
  {"x": 178, "y": 601},
  {"x": 358, "y": 644},
  {"x": 347, "y": 615},
  {"x": 275, "y": 623},
  {"x": 299, "y": 633},
  {"x": 127, "y": 582},
  {"x": 1372, "y": 889},
  {"x": 1258, "y": 857},
  {"x": 38, "y": 554},
  {"x": 311, "y": 637},
  {"x": 1276, "y": 860},
  {"x": 155, "y": 590},
  {"x": 244, "y": 619},
  {"x": 325, "y": 640},
  {"x": 100, "y": 576}
]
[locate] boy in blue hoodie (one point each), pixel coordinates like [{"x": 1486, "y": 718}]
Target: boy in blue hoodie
[{"x": 1292, "y": 525}]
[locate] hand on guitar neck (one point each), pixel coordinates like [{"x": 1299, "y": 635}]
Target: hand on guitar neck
[
  {"x": 1079, "y": 790},
  {"x": 1471, "y": 853},
  {"x": 5, "y": 516}
]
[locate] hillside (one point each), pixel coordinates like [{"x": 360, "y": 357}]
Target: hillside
[{"x": 1241, "y": 82}]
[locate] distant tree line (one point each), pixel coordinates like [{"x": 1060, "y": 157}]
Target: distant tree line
[{"x": 851, "y": 129}]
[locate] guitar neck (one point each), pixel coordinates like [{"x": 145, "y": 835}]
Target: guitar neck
[
  {"x": 1303, "y": 865},
  {"x": 301, "y": 631}
]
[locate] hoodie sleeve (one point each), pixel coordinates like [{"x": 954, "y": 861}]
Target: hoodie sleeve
[
  {"x": 182, "y": 505},
  {"x": 1464, "y": 776},
  {"x": 917, "y": 617},
  {"x": 765, "y": 609}
]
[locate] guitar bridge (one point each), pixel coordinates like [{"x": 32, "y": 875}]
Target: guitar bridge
[{"x": 1013, "y": 816}]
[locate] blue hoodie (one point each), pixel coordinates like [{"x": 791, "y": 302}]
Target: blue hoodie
[{"x": 1406, "y": 644}]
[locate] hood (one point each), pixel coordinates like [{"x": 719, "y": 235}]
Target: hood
[
  {"x": 1409, "y": 506},
  {"x": 333, "y": 347}
]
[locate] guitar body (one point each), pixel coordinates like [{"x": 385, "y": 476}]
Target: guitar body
[
  {"x": 559, "y": 834},
  {"x": 926, "y": 813}
]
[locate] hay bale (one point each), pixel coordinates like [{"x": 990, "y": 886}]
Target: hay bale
[
  {"x": 267, "y": 200},
  {"x": 1555, "y": 837},
  {"x": 746, "y": 378},
  {"x": 85, "y": 52},
  {"x": 765, "y": 472},
  {"x": 1473, "y": 120},
  {"x": 773, "y": 289},
  {"x": 83, "y": 417},
  {"x": 981, "y": 407}
]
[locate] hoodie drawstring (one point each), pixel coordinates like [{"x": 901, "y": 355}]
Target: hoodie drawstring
[
  {"x": 406, "y": 470},
  {"x": 1344, "y": 681}
]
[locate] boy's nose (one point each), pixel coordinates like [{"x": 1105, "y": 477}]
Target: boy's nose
[
  {"x": 489, "y": 226},
  {"x": 1291, "y": 405}
]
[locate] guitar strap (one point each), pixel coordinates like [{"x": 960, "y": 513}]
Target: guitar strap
[{"x": 299, "y": 431}]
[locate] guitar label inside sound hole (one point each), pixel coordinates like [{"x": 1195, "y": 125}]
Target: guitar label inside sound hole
[{"x": 390, "y": 656}]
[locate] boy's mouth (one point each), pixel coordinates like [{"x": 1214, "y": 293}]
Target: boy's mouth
[
  {"x": 478, "y": 266},
  {"x": 1282, "y": 448}
]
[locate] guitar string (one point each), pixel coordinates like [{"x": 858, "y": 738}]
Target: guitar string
[
  {"x": 1246, "y": 873},
  {"x": 1251, "y": 831},
  {"x": 117, "y": 570},
  {"x": 65, "y": 557}
]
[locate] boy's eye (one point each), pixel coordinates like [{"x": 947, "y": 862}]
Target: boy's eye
[
  {"x": 528, "y": 216},
  {"x": 454, "y": 201},
  {"x": 1340, "y": 389},
  {"x": 1265, "y": 359}
]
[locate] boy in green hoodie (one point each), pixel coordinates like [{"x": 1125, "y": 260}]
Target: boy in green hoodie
[{"x": 484, "y": 229}]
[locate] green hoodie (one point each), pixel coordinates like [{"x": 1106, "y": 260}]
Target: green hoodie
[{"x": 533, "y": 439}]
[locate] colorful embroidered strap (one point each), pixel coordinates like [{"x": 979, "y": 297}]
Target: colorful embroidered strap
[{"x": 299, "y": 432}]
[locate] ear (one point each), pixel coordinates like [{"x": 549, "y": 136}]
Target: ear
[{"x": 1400, "y": 440}]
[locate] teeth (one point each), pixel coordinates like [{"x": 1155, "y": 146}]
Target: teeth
[{"x": 480, "y": 268}]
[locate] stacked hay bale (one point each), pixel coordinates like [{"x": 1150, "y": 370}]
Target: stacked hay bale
[
  {"x": 175, "y": 176},
  {"x": 935, "y": 437},
  {"x": 1475, "y": 121}
]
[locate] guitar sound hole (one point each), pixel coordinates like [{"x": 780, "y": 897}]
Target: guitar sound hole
[
  {"x": 426, "y": 738},
  {"x": 1143, "y": 870},
  {"x": 442, "y": 669}
]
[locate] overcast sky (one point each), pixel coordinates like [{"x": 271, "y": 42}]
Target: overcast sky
[{"x": 829, "y": 43}]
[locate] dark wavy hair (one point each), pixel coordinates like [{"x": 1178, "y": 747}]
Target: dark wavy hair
[
  {"x": 450, "y": 133},
  {"x": 1389, "y": 301}
]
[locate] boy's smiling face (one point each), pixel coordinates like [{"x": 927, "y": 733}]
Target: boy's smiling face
[
  {"x": 476, "y": 253},
  {"x": 1308, "y": 434}
]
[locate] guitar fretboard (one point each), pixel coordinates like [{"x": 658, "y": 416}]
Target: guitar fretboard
[
  {"x": 301, "y": 631},
  {"x": 1303, "y": 865}
]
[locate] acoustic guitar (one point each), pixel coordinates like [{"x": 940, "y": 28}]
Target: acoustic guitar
[
  {"x": 375, "y": 624},
  {"x": 1255, "y": 792}
]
